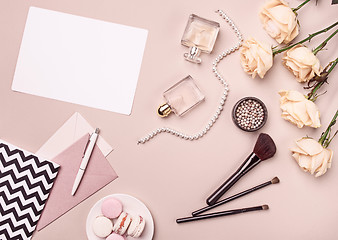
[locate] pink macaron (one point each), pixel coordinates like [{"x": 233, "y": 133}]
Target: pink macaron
[
  {"x": 111, "y": 208},
  {"x": 115, "y": 236}
]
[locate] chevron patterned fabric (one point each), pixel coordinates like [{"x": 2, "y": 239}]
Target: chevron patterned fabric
[{"x": 25, "y": 183}]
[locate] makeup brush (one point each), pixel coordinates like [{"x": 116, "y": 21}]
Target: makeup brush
[
  {"x": 223, "y": 213},
  {"x": 238, "y": 195},
  {"x": 264, "y": 149}
]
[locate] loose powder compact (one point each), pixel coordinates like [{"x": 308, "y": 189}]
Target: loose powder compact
[{"x": 249, "y": 114}]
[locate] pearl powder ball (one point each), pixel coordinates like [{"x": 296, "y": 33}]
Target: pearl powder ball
[{"x": 249, "y": 114}]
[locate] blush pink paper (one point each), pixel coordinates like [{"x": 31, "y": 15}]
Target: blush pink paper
[{"x": 98, "y": 174}]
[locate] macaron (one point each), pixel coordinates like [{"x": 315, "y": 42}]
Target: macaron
[
  {"x": 115, "y": 236},
  {"x": 136, "y": 227},
  {"x": 111, "y": 208},
  {"x": 102, "y": 226},
  {"x": 122, "y": 223}
]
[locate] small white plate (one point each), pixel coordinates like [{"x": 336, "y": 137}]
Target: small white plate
[{"x": 130, "y": 205}]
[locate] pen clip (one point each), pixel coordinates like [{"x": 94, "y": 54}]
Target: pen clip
[{"x": 84, "y": 151}]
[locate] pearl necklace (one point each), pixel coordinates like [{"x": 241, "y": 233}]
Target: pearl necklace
[{"x": 223, "y": 98}]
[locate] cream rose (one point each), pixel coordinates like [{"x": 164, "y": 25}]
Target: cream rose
[
  {"x": 256, "y": 57},
  {"x": 299, "y": 110},
  {"x": 302, "y": 63},
  {"x": 279, "y": 21},
  {"x": 311, "y": 156}
]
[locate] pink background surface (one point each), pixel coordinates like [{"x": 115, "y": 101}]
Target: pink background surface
[{"x": 171, "y": 176}]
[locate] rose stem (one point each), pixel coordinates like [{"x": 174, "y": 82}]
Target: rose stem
[
  {"x": 319, "y": 84},
  {"x": 304, "y": 40},
  {"x": 300, "y": 6},
  {"x": 322, "y": 140},
  {"x": 323, "y": 44}
]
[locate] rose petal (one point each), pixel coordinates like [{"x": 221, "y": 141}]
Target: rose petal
[
  {"x": 295, "y": 96},
  {"x": 302, "y": 55},
  {"x": 322, "y": 170},
  {"x": 329, "y": 152},
  {"x": 305, "y": 162},
  {"x": 282, "y": 15},
  {"x": 299, "y": 109},
  {"x": 317, "y": 161},
  {"x": 313, "y": 113},
  {"x": 298, "y": 150},
  {"x": 296, "y": 157},
  {"x": 310, "y": 146}
]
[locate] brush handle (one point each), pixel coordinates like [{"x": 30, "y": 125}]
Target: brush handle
[
  {"x": 238, "y": 195},
  {"x": 251, "y": 161},
  {"x": 219, "y": 214}
]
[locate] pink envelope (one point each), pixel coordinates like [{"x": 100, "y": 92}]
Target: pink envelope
[
  {"x": 98, "y": 174},
  {"x": 74, "y": 128}
]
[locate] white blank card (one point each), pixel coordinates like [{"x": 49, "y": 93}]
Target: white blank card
[{"x": 80, "y": 60}]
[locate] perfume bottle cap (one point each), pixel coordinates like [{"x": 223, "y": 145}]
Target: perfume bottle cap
[
  {"x": 164, "y": 110},
  {"x": 193, "y": 55}
]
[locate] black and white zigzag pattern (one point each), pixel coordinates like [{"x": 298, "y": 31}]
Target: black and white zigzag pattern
[{"x": 25, "y": 183}]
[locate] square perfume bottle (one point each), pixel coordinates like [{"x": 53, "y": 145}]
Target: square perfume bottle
[
  {"x": 200, "y": 36},
  {"x": 181, "y": 98}
]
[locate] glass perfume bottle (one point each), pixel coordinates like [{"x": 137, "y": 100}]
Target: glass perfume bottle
[
  {"x": 181, "y": 97},
  {"x": 200, "y": 35}
]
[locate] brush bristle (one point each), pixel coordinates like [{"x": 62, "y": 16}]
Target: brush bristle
[
  {"x": 275, "y": 180},
  {"x": 265, "y": 207},
  {"x": 265, "y": 147}
]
